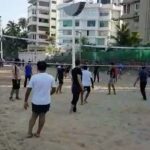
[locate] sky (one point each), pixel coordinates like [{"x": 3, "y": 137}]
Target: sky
[{"x": 12, "y": 10}]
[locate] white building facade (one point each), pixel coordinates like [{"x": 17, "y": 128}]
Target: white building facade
[
  {"x": 42, "y": 16},
  {"x": 97, "y": 22}
]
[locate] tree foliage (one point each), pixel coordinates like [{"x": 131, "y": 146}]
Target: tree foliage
[
  {"x": 12, "y": 46},
  {"x": 126, "y": 38}
]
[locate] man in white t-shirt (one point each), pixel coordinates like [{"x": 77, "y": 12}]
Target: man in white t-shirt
[
  {"x": 42, "y": 86},
  {"x": 87, "y": 82}
]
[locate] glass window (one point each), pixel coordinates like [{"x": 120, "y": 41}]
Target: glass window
[
  {"x": 124, "y": 9},
  {"x": 100, "y": 41},
  {"x": 53, "y": 2},
  {"x": 67, "y": 23},
  {"x": 54, "y": 27},
  {"x": 67, "y": 32},
  {"x": 105, "y": 1},
  {"x": 103, "y": 23},
  {"x": 104, "y": 13},
  {"x": 91, "y": 23},
  {"x": 128, "y": 8},
  {"x": 45, "y": 4},
  {"x": 53, "y": 10},
  {"x": 53, "y": 18},
  {"x": 43, "y": 20},
  {"x": 77, "y": 23}
]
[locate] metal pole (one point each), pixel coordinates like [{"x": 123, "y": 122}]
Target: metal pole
[
  {"x": 1, "y": 35},
  {"x": 73, "y": 42}
]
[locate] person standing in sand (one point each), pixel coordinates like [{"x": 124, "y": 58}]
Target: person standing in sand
[
  {"x": 42, "y": 86},
  {"x": 87, "y": 82},
  {"x": 16, "y": 78},
  {"x": 112, "y": 80},
  {"x": 77, "y": 87},
  {"x": 142, "y": 76}
]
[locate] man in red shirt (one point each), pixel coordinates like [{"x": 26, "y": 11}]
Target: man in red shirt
[{"x": 112, "y": 80}]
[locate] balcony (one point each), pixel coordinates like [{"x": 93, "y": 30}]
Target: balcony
[
  {"x": 129, "y": 16},
  {"x": 32, "y": 1},
  {"x": 130, "y": 2}
]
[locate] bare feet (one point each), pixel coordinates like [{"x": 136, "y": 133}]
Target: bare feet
[
  {"x": 36, "y": 135},
  {"x": 29, "y": 136}
]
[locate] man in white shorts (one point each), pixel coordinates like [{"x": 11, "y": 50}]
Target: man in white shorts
[
  {"x": 87, "y": 82},
  {"x": 42, "y": 86}
]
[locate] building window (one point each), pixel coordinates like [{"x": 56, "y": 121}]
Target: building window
[
  {"x": 53, "y": 2},
  {"x": 53, "y": 18},
  {"x": 67, "y": 32},
  {"x": 128, "y": 8},
  {"x": 77, "y": 23},
  {"x": 103, "y": 24},
  {"x": 87, "y": 32},
  {"x": 53, "y": 10},
  {"x": 54, "y": 27},
  {"x": 104, "y": 13},
  {"x": 100, "y": 41},
  {"x": 41, "y": 28},
  {"x": 105, "y": 1},
  {"x": 43, "y": 12},
  {"x": 125, "y": 9},
  {"x": 91, "y": 23},
  {"x": 67, "y": 23},
  {"x": 137, "y": 6},
  {"x": 43, "y": 20},
  {"x": 45, "y": 4}
]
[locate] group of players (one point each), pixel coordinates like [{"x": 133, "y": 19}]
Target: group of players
[{"x": 42, "y": 85}]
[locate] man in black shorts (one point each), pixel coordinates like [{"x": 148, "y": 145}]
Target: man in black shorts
[
  {"x": 96, "y": 72},
  {"x": 16, "y": 78},
  {"x": 42, "y": 86},
  {"x": 87, "y": 82},
  {"x": 142, "y": 76},
  {"x": 60, "y": 77},
  {"x": 77, "y": 86}
]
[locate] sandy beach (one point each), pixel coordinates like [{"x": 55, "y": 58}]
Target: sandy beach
[{"x": 116, "y": 122}]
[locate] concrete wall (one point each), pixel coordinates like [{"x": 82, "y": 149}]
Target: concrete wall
[{"x": 32, "y": 56}]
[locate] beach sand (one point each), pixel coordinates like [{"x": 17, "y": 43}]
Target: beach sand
[{"x": 116, "y": 122}]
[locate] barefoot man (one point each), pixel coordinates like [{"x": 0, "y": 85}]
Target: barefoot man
[
  {"x": 112, "y": 79},
  {"x": 87, "y": 82},
  {"x": 77, "y": 87},
  {"x": 143, "y": 77},
  {"x": 42, "y": 86}
]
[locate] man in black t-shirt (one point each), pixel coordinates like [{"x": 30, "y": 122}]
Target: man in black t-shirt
[
  {"x": 60, "y": 76},
  {"x": 142, "y": 76},
  {"x": 96, "y": 72},
  {"x": 77, "y": 86}
]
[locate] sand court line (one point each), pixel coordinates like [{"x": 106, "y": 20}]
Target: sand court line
[{"x": 95, "y": 88}]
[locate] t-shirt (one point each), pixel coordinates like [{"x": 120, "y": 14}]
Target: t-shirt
[
  {"x": 16, "y": 72},
  {"x": 143, "y": 74},
  {"x": 75, "y": 72},
  {"x": 96, "y": 69},
  {"x": 41, "y": 85},
  {"x": 113, "y": 72},
  {"x": 86, "y": 78},
  {"x": 60, "y": 72},
  {"x": 28, "y": 70}
]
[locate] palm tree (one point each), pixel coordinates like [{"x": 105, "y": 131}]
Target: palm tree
[
  {"x": 122, "y": 37},
  {"x": 135, "y": 39},
  {"x": 12, "y": 28},
  {"x": 22, "y": 23}
]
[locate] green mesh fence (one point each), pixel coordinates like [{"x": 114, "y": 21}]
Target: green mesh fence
[{"x": 125, "y": 55}]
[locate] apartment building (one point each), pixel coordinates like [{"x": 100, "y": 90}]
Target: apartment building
[
  {"x": 137, "y": 14},
  {"x": 96, "y": 23},
  {"x": 42, "y": 17}
]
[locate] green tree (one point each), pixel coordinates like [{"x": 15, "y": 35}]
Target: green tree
[
  {"x": 122, "y": 37},
  {"x": 84, "y": 40},
  {"x": 22, "y": 23},
  {"x": 11, "y": 46},
  {"x": 126, "y": 38}
]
